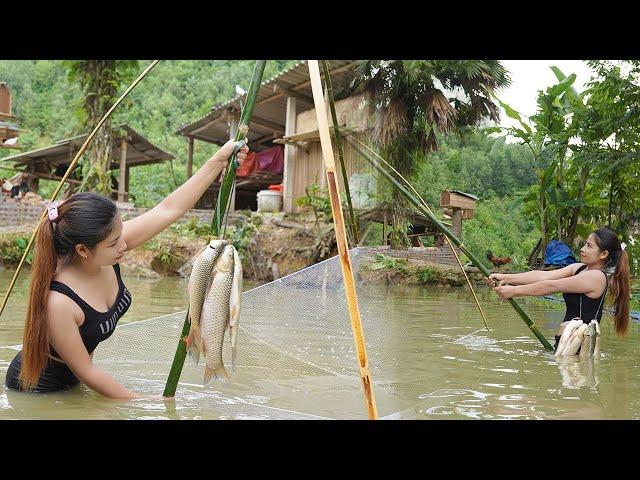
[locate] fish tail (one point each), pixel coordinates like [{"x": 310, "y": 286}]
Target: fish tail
[
  {"x": 211, "y": 374},
  {"x": 193, "y": 346}
]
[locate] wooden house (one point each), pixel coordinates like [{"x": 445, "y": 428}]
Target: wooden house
[
  {"x": 283, "y": 117},
  {"x": 8, "y": 127},
  {"x": 130, "y": 149}
]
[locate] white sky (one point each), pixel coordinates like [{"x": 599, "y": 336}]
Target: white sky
[{"x": 529, "y": 76}]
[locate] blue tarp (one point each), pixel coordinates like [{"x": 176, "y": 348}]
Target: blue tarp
[{"x": 558, "y": 254}]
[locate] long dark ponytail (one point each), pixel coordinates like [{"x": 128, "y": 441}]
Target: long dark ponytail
[
  {"x": 83, "y": 219},
  {"x": 618, "y": 261}
]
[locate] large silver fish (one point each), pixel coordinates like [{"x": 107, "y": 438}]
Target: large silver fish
[
  {"x": 214, "y": 319},
  {"x": 575, "y": 341},
  {"x": 590, "y": 340},
  {"x": 567, "y": 332},
  {"x": 199, "y": 281}
]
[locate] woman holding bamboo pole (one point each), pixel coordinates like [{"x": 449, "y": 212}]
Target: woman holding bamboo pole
[
  {"x": 604, "y": 263},
  {"x": 77, "y": 295}
]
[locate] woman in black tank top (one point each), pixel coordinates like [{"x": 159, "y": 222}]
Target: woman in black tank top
[
  {"x": 77, "y": 294},
  {"x": 604, "y": 268}
]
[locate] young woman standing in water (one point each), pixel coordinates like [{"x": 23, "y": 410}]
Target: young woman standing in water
[
  {"x": 77, "y": 294},
  {"x": 604, "y": 267}
]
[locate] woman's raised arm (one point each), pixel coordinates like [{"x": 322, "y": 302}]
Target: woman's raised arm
[{"x": 144, "y": 227}]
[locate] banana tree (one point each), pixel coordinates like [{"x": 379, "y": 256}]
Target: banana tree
[{"x": 544, "y": 134}]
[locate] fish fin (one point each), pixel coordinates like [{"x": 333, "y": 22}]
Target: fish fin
[
  {"x": 233, "y": 358},
  {"x": 208, "y": 374},
  {"x": 211, "y": 374},
  {"x": 233, "y": 331},
  {"x": 202, "y": 347},
  {"x": 193, "y": 346},
  {"x": 194, "y": 354}
]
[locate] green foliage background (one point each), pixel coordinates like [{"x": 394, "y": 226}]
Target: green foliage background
[{"x": 174, "y": 93}]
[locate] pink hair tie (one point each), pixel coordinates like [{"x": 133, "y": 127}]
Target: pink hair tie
[
  {"x": 52, "y": 210},
  {"x": 623, "y": 246}
]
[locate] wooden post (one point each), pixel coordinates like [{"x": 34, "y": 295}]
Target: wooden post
[
  {"x": 126, "y": 184},
  {"x": 341, "y": 238},
  {"x": 289, "y": 154},
  {"x": 32, "y": 180},
  {"x": 190, "y": 158},
  {"x": 384, "y": 225},
  {"x": 123, "y": 170},
  {"x": 456, "y": 221}
]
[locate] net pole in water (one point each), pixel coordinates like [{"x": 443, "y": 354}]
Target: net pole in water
[
  {"x": 68, "y": 172},
  {"x": 424, "y": 204},
  {"x": 427, "y": 212},
  {"x": 341, "y": 237},
  {"x": 353, "y": 225},
  {"x": 224, "y": 196}
]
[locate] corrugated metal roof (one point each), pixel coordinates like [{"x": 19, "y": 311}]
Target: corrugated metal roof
[
  {"x": 270, "y": 103},
  {"x": 465, "y": 194},
  {"x": 139, "y": 152}
]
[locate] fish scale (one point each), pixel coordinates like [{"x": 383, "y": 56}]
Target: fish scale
[
  {"x": 215, "y": 315},
  {"x": 199, "y": 281}
]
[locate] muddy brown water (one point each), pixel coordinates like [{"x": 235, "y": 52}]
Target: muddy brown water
[{"x": 458, "y": 370}]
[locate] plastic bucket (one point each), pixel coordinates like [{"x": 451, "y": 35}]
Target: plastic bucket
[{"x": 269, "y": 201}]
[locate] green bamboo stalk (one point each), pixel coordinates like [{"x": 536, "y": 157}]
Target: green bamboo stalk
[
  {"x": 343, "y": 169},
  {"x": 218, "y": 217},
  {"x": 243, "y": 127},
  {"x": 425, "y": 205},
  {"x": 452, "y": 237}
]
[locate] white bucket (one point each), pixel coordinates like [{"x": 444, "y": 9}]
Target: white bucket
[{"x": 269, "y": 201}]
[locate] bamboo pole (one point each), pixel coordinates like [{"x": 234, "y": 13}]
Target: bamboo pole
[
  {"x": 68, "y": 172},
  {"x": 343, "y": 168},
  {"x": 218, "y": 216},
  {"x": 425, "y": 205},
  {"x": 345, "y": 260},
  {"x": 336, "y": 129},
  {"x": 452, "y": 237},
  {"x": 241, "y": 132}
]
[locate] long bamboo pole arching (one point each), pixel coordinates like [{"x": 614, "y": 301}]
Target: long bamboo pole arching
[
  {"x": 425, "y": 205},
  {"x": 221, "y": 207},
  {"x": 68, "y": 172},
  {"x": 341, "y": 238},
  {"x": 336, "y": 130},
  {"x": 451, "y": 236}
]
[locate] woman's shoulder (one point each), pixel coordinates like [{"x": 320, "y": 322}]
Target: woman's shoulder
[
  {"x": 576, "y": 267},
  {"x": 61, "y": 307}
]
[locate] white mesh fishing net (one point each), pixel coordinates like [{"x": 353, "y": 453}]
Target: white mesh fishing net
[{"x": 296, "y": 354}]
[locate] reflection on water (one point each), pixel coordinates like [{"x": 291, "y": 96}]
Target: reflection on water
[{"x": 440, "y": 363}]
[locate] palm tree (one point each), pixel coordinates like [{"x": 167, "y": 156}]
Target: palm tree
[{"x": 412, "y": 99}]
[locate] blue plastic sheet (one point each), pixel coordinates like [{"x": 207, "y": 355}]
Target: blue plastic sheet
[{"x": 558, "y": 254}]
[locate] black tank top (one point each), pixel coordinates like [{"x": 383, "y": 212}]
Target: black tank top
[
  {"x": 97, "y": 326},
  {"x": 591, "y": 307}
]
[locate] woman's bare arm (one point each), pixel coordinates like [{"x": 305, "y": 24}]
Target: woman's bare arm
[
  {"x": 526, "y": 278},
  {"x": 591, "y": 282},
  {"x": 144, "y": 227}
]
